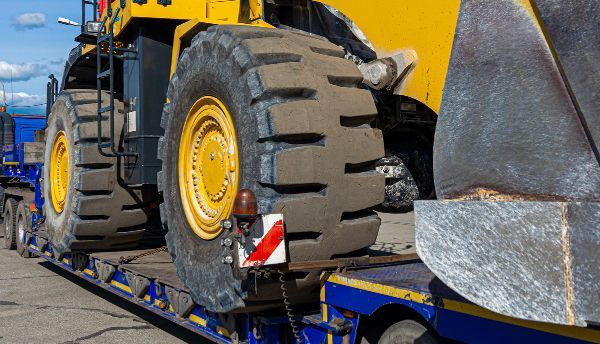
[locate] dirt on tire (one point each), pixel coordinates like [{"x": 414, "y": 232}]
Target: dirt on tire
[
  {"x": 307, "y": 149},
  {"x": 100, "y": 212}
]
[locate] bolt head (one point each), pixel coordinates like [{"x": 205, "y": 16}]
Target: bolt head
[
  {"x": 226, "y": 224},
  {"x": 227, "y": 242},
  {"x": 228, "y": 260}
]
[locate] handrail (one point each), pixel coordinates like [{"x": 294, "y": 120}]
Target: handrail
[{"x": 100, "y": 74}]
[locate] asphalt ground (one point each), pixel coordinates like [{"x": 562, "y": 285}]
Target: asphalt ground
[{"x": 40, "y": 302}]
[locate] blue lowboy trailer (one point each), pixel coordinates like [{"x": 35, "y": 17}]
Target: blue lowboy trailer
[
  {"x": 22, "y": 153},
  {"x": 366, "y": 302}
]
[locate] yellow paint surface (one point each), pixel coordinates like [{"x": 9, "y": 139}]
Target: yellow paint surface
[
  {"x": 398, "y": 293},
  {"x": 426, "y": 27},
  {"x": 198, "y": 320},
  {"x": 220, "y": 10},
  {"x": 59, "y": 171},
  {"x": 121, "y": 286},
  {"x": 208, "y": 166},
  {"x": 202, "y": 322}
]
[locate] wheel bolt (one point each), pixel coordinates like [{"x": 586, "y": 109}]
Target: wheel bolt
[{"x": 228, "y": 260}]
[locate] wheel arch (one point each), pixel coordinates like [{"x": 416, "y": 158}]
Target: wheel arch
[
  {"x": 185, "y": 33},
  {"x": 375, "y": 324}
]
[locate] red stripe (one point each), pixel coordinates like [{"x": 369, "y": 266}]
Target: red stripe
[{"x": 268, "y": 244}]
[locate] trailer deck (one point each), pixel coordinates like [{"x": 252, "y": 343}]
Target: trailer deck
[
  {"x": 413, "y": 286},
  {"x": 348, "y": 297},
  {"x": 150, "y": 282}
]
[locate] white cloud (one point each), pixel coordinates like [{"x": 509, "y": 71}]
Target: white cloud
[
  {"x": 22, "y": 99},
  {"x": 20, "y": 72},
  {"x": 28, "y": 21}
]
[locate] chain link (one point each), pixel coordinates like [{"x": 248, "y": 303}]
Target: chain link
[{"x": 129, "y": 259}]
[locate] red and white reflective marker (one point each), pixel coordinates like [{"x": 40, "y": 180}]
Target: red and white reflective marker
[{"x": 266, "y": 243}]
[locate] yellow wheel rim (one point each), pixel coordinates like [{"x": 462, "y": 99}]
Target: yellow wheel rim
[
  {"x": 59, "y": 171},
  {"x": 207, "y": 167}
]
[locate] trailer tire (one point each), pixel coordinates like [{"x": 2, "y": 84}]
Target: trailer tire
[
  {"x": 408, "y": 332},
  {"x": 10, "y": 212},
  {"x": 23, "y": 226},
  {"x": 306, "y": 149},
  {"x": 99, "y": 212}
]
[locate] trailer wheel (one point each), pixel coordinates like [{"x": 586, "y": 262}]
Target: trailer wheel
[
  {"x": 282, "y": 114},
  {"x": 10, "y": 212},
  {"x": 408, "y": 332},
  {"x": 87, "y": 206},
  {"x": 23, "y": 226}
]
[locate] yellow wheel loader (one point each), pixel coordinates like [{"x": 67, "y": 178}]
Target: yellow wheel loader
[{"x": 324, "y": 111}]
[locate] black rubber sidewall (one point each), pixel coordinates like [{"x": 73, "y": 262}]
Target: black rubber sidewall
[
  {"x": 205, "y": 78},
  {"x": 9, "y": 225},
  {"x": 58, "y": 223},
  {"x": 407, "y": 332},
  {"x": 23, "y": 214}
]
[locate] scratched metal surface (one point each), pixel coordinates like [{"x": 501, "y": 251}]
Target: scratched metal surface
[
  {"x": 414, "y": 276},
  {"x": 584, "y": 236},
  {"x": 577, "y": 46},
  {"x": 510, "y": 257},
  {"x": 507, "y": 122},
  {"x": 515, "y": 124}
]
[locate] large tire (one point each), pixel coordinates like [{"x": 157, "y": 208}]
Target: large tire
[
  {"x": 99, "y": 213},
  {"x": 23, "y": 226},
  {"x": 10, "y": 212},
  {"x": 306, "y": 149},
  {"x": 408, "y": 332}
]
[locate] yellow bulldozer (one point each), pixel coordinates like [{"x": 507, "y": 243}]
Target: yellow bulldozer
[{"x": 325, "y": 111}]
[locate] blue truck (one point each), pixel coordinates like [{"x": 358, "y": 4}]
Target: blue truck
[{"x": 22, "y": 161}]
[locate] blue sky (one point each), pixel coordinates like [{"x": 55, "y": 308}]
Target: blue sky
[{"x": 33, "y": 45}]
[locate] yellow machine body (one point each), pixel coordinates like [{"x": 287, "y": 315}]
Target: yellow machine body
[
  {"x": 423, "y": 28},
  {"x": 511, "y": 83}
]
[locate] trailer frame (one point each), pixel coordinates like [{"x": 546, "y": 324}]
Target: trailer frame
[{"x": 349, "y": 297}]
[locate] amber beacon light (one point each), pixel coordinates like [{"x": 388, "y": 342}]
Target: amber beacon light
[{"x": 244, "y": 206}]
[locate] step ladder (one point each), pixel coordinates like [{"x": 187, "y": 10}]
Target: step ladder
[{"x": 106, "y": 41}]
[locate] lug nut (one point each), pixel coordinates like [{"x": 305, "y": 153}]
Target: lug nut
[
  {"x": 226, "y": 224},
  {"x": 227, "y": 242},
  {"x": 228, "y": 260}
]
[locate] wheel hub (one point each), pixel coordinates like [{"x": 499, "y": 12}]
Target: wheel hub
[
  {"x": 208, "y": 160},
  {"x": 21, "y": 230},
  {"x": 59, "y": 171}
]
